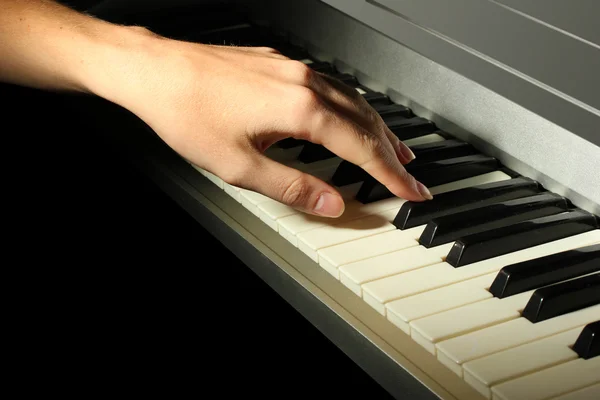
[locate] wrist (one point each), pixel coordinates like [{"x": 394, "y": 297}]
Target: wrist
[{"x": 114, "y": 60}]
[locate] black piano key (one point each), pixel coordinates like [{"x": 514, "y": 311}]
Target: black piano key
[
  {"x": 451, "y": 227},
  {"x": 438, "y": 172},
  {"x": 587, "y": 344},
  {"x": 562, "y": 298},
  {"x": 432, "y": 174},
  {"x": 348, "y": 173},
  {"x": 451, "y": 148},
  {"x": 312, "y": 152},
  {"x": 288, "y": 143},
  {"x": 377, "y": 98},
  {"x": 414, "y": 213},
  {"x": 323, "y": 67},
  {"x": 348, "y": 79},
  {"x": 484, "y": 245},
  {"x": 410, "y": 128},
  {"x": 391, "y": 110},
  {"x": 554, "y": 268}
]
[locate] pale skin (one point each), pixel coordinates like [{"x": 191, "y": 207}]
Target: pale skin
[{"x": 219, "y": 107}]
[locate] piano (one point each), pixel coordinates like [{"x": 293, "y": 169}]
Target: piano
[{"x": 492, "y": 289}]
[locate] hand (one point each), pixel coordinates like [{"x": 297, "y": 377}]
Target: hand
[{"x": 222, "y": 107}]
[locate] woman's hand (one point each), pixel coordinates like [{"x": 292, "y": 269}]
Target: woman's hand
[{"x": 222, "y": 107}]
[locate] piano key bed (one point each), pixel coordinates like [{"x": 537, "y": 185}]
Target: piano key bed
[{"x": 490, "y": 291}]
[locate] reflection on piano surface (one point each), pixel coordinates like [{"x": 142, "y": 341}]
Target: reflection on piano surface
[{"x": 491, "y": 290}]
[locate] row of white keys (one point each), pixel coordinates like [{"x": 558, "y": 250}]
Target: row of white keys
[
  {"x": 212, "y": 177},
  {"x": 366, "y": 220},
  {"x": 435, "y": 328},
  {"x": 474, "y": 345},
  {"x": 292, "y": 222},
  {"x": 551, "y": 382},
  {"x": 384, "y": 289},
  {"x": 486, "y": 372},
  {"x": 332, "y": 257},
  {"x": 398, "y": 262},
  {"x": 403, "y": 311}
]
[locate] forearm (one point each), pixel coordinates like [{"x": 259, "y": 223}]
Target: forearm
[{"x": 49, "y": 46}]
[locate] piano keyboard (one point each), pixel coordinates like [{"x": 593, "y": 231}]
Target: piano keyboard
[{"x": 496, "y": 277}]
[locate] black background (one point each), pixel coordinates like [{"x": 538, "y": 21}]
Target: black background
[{"x": 120, "y": 291}]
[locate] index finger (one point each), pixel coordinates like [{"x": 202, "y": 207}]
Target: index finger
[{"x": 370, "y": 150}]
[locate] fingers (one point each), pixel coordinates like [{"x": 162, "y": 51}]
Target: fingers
[
  {"x": 267, "y": 52},
  {"x": 403, "y": 152},
  {"x": 316, "y": 121},
  {"x": 347, "y": 101},
  {"x": 296, "y": 189}
]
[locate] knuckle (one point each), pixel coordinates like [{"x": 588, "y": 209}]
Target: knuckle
[
  {"x": 296, "y": 193},
  {"x": 271, "y": 50},
  {"x": 301, "y": 72},
  {"x": 306, "y": 113},
  {"x": 372, "y": 144},
  {"x": 306, "y": 98}
]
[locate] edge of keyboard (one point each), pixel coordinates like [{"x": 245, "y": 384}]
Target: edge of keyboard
[{"x": 386, "y": 353}]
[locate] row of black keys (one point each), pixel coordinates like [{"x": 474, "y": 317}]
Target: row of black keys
[
  {"x": 485, "y": 221},
  {"x": 566, "y": 281},
  {"x": 499, "y": 212}
]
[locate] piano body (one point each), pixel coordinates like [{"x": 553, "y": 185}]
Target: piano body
[{"x": 492, "y": 291}]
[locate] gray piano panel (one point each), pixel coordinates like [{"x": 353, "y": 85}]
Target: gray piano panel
[
  {"x": 539, "y": 134},
  {"x": 511, "y": 40},
  {"x": 551, "y": 73},
  {"x": 578, "y": 18}
]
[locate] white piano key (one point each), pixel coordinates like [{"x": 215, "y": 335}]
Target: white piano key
[
  {"x": 251, "y": 199},
  {"x": 401, "y": 312},
  {"x": 587, "y": 393},
  {"x": 311, "y": 241},
  {"x": 233, "y": 191},
  {"x": 306, "y": 61},
  {"x": 431, "y": 277},
  {"x": 271, "y": 211},
  {"x": 358, "y": 273},
  {"x": 212, "y": 177},
  {"x": 489, "y": 371},
  {"x": 361, "y": 91},
  {"x": 456, "y": 351},
  {"x": 331, "y": 258},
  {"x": 294, "y": 226},
  {"x": 275, "y": 210},
  {"x": 433, "y": 329},
  {"x": 334, "y": 258},
  {"x": 551, "y": 382},
  {"x": 431, "y": 138}
]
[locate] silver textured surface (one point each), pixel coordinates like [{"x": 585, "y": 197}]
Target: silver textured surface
[{"x": 522, "y": 140}]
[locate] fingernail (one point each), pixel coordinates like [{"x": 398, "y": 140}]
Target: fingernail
[
  {"x": 406, "y": 152},
  {"x": 424, "y": 191},
  {"x": 329, "y": 205}
]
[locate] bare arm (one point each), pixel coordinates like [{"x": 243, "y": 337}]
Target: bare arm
[{"x": 218, "y": 107}]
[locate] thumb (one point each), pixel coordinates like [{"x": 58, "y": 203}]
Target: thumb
[{"x": 294, "y": 188}]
